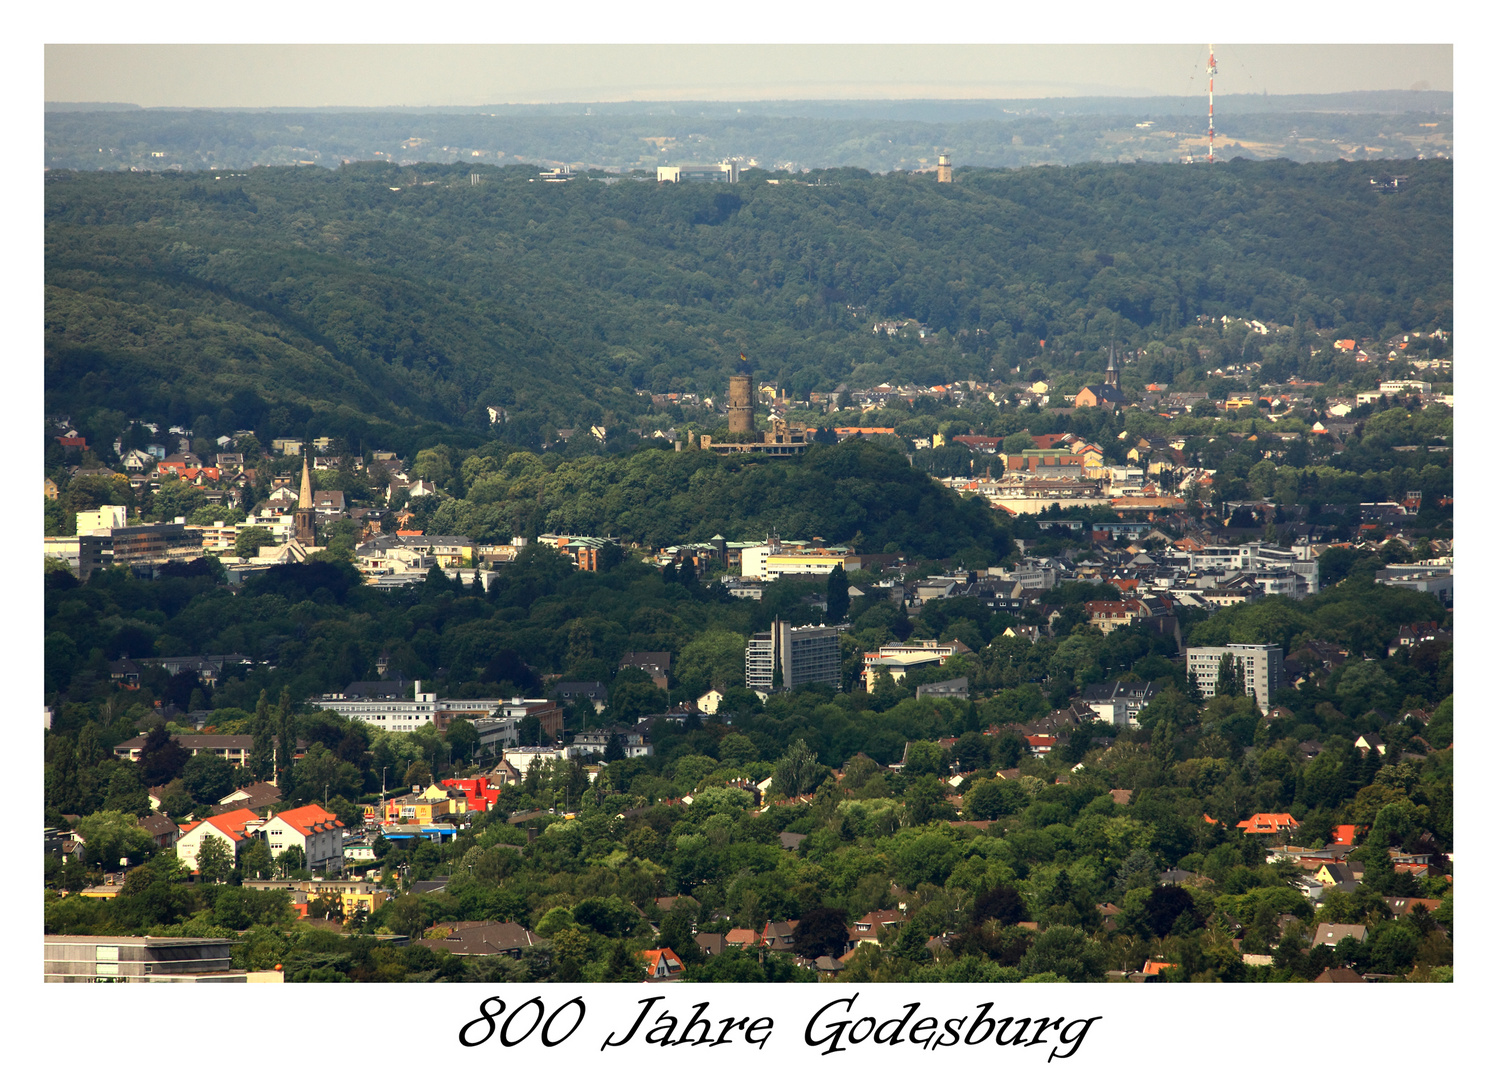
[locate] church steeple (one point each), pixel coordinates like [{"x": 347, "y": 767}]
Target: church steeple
[
  {"x": 305, "y": 495},
  {"x": 303, "y": 516},
  {"x": 1111, "y": 368}
]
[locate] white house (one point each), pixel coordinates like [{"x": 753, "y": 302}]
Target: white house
[
  {"x": 232, "y": 828},
  {"x": 319, "y": 833}
]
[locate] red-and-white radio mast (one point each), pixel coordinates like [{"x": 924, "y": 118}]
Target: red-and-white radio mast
[{"x": 1211, "y": 104}]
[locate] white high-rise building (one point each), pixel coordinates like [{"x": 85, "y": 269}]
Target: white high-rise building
[{"x": 1262, "y": 669}]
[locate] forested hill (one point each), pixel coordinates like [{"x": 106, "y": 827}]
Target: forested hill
[{"x": 409, "y": 294}]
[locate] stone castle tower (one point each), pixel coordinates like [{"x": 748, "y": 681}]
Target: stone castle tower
[{"x": 739, "y": 405}]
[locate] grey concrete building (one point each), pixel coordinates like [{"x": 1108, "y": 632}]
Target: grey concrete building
[
  {"x": 72, "y": 958},
  {"x": 799, "y": 654}
]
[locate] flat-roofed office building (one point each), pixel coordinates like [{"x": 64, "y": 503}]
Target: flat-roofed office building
[
  {"x": 799, "y": 654},
  {"x": 71, "y": 958}
]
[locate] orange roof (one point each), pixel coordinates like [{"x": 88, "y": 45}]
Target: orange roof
[
  {"x": 1344, "y": 834},
  {"x": 667, "y": 957},
  {"x": 232, "y": 823},
  {"x": 1267, "y": 823},
  {"x": 309, "y": 819},
  {"x": 1153, "y": 967}
]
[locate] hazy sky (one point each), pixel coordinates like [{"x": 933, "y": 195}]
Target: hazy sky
[{"x": 377, "y": 75}]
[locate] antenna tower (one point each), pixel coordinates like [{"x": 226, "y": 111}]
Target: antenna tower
[{"x": 1211, "y": 104}]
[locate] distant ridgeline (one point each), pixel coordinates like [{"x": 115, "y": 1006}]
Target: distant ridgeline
[
  {"x": 379, "y": 302},
  {"x": 876, "y": 135}
]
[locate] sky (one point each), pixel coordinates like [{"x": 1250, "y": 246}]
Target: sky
[{"x": 255, "y": 76}]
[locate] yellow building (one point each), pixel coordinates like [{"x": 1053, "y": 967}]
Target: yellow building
[{"x": 810, "y": 562}]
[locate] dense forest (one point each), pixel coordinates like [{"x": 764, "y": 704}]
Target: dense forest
[{"x": 371, "y": 300}]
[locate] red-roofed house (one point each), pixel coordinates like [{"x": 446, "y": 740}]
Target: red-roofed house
[
  {"x": 1156, "y": 967},
  {"x": 663, "y": 964},
  {"x": 1344, "y": 834},
  {"x": 1109, "y": 615},
  {"x": 741, "y": 939},
  {"x": 1267, "y": 823},
  {"x": 319, "y": 833},
  {"x": 231, "y": 828},
  {"x": 1041, "y": 744}
]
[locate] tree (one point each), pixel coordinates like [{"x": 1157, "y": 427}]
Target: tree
[
  {"x": 1227, "y": 682},
  {"x": 463, "y": 738},
  {"x": 110, "y": 835},
  {"x": 162, "y": 757},
  {"x": 797, "y": 771},
  {"x": 821, "y": 931},
  {"x": 255, "y": 861},
  {"x": 837, "y": 595},
  {"x": 623, "y": 965},
  {"x": 286, "y": 746},
  {"x": 1003, "y": 903},
  {"x": 925, "y": 802},
  {"x": 290, "y": 861},
  {"x": 215, "y": 860},
  {"x": 1068, "y": 952},
  {"x": 263, "y": 732},
  {"x": 250, "y": 540},
  {"x": 207, "y": 778}
]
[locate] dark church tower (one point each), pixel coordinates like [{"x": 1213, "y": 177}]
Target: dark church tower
[{"x": 1111, "y": 368}]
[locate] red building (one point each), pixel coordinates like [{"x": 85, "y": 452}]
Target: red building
[{"x": 478, "y": 792}]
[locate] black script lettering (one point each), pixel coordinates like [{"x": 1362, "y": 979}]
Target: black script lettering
[
  {"x": 892, "y": 1040},
  {"x": 1073, "y": 1043},
  {"x": 486, "y": 1016},
  {"x": 647, "y": 1004},
  {"x": 834, "y": 1029}
]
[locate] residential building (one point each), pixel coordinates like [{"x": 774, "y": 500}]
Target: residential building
[
  {"x": 792, "y": 656},
  {"x": 350, "y": 896},
  {"x": 654, "y": 663},
  {"x": 1119, "y": 702},
  {"x": 663, "y": 964},
  {"x": 236, "y": 749},
  {"x": 252, "y": 796},
  {"x": 483, "y": 938},
  {"x": 952, "y": 688},
  {"x": 233, "y": 828},
  {"x": 319, "y": 833},
  {"x": 1262, "y": 669}
]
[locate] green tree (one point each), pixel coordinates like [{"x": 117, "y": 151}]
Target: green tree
[
  {"x": 255, "y": 862},
  {"x": 207, "y": 778},
  {"x": 837, "y": 595},
  {"x": 110, "y": 836},
  {"x": 797, "y": 771},
  {"x": 249, "y": 541},
  {"x": 215, "y": 860}
]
